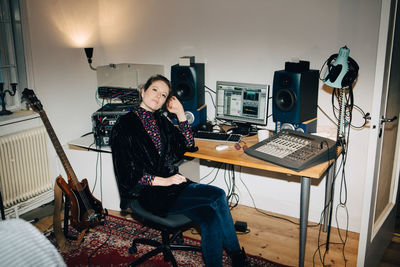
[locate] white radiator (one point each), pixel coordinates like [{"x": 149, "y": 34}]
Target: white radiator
[{"x": 24, "y": 167}]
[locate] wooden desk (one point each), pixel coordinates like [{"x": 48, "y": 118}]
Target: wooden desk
[{"x": 230, "y": 155}]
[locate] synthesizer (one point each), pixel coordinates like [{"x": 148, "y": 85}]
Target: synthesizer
[{"x": 294, "y": 150}]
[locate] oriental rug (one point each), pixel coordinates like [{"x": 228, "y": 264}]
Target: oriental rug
[{"x": 108, "y": 245}]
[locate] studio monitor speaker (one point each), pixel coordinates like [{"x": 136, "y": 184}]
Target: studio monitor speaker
[
  {"x": 295, "y": 96},
  {"x": 187, "y": 84}
]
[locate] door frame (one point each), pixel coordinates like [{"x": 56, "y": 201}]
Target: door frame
[{"x": 369, "y": 237}]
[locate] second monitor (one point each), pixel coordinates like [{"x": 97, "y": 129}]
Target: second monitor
[{"x": 243, "y": 104}]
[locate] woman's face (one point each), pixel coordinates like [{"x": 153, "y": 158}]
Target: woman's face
[{"x": 155, "y": 96}]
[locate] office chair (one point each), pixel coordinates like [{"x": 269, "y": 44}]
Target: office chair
[{"x": 171, "y": 225}]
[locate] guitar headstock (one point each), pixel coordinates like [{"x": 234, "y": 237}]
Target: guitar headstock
[{"x": 33, "y": 101}]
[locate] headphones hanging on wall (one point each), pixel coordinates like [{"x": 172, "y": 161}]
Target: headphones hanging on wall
[{"x": 342, "y": 70}]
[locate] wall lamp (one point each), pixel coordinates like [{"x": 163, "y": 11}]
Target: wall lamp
[{"x": 89, "y": 55}]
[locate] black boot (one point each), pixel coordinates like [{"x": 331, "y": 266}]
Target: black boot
[{"x": 239, "y": 259}]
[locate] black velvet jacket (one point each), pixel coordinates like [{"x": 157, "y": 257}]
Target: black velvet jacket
[{"x": 134, "y": 154}]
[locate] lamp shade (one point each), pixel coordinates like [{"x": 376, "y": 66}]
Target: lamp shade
[{"x": 89, "y": 53}]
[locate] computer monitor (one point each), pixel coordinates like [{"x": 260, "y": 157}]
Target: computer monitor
[{"x": 243, "y": 104}]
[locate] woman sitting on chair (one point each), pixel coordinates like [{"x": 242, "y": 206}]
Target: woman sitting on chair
[{"x": 145, "y": 148}]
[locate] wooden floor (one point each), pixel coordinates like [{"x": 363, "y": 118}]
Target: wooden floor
[{"x": 278, "y": 240}]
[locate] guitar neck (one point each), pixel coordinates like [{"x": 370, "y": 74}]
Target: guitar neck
[{"x": 57, "y": 146}]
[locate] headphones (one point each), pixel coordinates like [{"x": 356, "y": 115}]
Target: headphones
[{"x": 334, "y": 71}]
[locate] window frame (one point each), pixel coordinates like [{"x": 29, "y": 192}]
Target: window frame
[{"x": 15, "y": 42}]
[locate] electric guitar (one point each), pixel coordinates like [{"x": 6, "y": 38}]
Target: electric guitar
[{"x": 86, "y": 210}]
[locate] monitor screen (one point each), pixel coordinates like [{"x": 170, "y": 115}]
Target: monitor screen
[{"x": 242, "y": 102}]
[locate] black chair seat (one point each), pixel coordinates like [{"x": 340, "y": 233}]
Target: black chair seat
[
  {"x": 171, "y": 221},
  {"x": 171, "y": 228}
]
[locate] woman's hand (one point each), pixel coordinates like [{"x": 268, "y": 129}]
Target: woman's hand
[
  {"x": 174, "y": 179},
  {"x": 174, "y": 106}
]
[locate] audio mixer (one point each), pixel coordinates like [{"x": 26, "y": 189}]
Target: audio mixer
[{"x": 294, "y": 150}]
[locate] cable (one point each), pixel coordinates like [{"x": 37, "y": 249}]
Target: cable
[
  {"x": 322, "y": 67},
  {"x": 344, "y": 241},
  {"x": 343, "y": 182},
  {"x": 318, "y": 250},
  {"x": 230, "y": 182},
  {"x": 210, "y": 89},
  {"x": 366, "y": 117},
  {"x": 86, "y": 134},
  {"x": 265, "y": 213},
  {"x": 212, "y": 98},
  {"x": 342, "y": 196},
  {"x": 232, "y": 197},
  {"x": 94, "y": 252},
  {"x": 218, "y": 168},
  {"x": 95, "y": 176},
  {"x": 96, "y": 96},
  {"x": 99, "y": 165},
  {"x": 349, "y": 106},
  {"x": 334, "y": 122},
  {"x": 329, "y": 203}
]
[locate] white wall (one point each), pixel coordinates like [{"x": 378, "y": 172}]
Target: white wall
[{"x": 238, "y": 40}]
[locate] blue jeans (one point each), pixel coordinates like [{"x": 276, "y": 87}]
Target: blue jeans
[{"x": 207, "y": 206}]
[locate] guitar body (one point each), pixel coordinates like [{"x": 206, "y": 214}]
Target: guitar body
[{"x": 81, "y": 217}]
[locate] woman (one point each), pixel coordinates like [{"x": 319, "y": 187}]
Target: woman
[{"x": 146, "y": 147}]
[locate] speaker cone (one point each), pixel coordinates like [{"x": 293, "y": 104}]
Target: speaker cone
[
  {"x": 285, "y": 100},
  {"x": 184, "y": 91}
]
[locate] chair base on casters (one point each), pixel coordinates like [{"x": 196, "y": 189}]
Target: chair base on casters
[
  {"x": 166, "y": 247},
  {"x": 171, "y": 228}
]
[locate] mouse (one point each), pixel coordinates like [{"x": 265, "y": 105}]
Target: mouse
[{"x": 221, "y": 147}]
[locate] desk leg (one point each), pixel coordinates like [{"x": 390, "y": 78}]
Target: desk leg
[{"x": 304, "y": 205}]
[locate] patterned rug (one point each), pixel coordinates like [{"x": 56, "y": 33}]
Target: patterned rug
[{"x": 108, "y": 244}]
